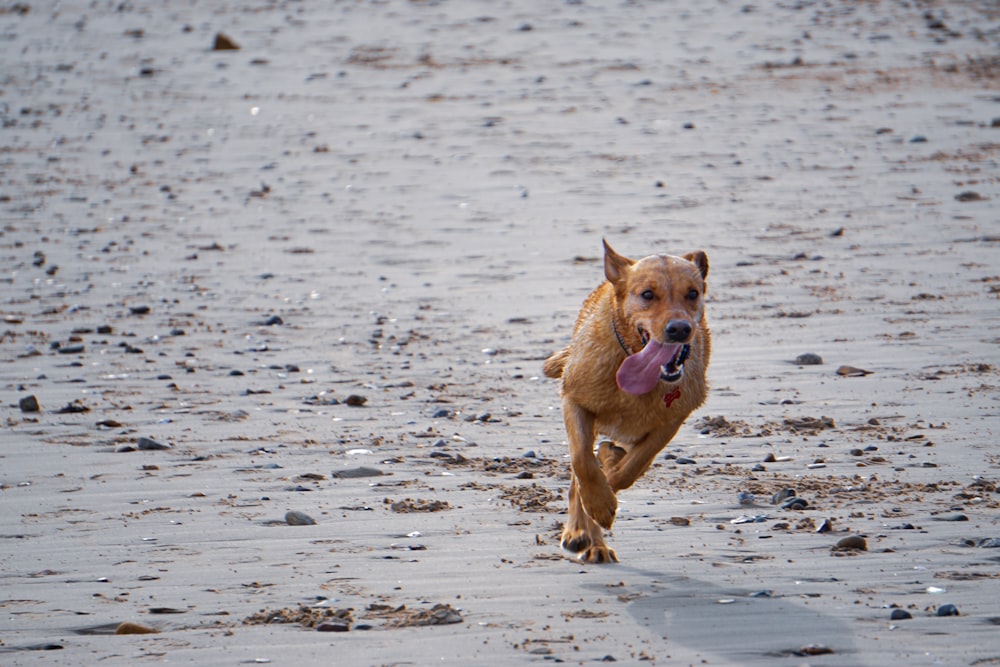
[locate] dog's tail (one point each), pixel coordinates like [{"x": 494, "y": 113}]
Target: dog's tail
[{"x": 554, "y": 365}]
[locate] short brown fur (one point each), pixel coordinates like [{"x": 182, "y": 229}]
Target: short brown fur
[{"x": 638, "y": 427}]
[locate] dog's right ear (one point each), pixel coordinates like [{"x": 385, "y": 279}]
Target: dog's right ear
[{"x": 615, "y": 265}]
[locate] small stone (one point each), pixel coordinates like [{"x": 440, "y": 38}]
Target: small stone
[
  {"x": 71, "y": 349},
  {"x": 989, "y": 543},
  {"x": 825, "y": 526},
  {"x": 355, "y": 473},
  {"x": 952, "y": 517},
  {"x": 900, "y": 615},
  {"x": 274, "y": 320},
  {"x": 852, "y": 371},
  {"x": 296, "y": 518},
  {"x": 355, "y": 400},
  {"x": 795, "y": 504},
  {"x": 683, "y": 460},
  {"x": 29, "y": 404},
  {"x": 948, "y": 610},
  {"x": 969, "y": 195},
  {"x": 809, "y": 359},
  {"x": 680, "y": 521},
  {"x": 443, "y": 413},
  {"x": 127, "y": 628},
  {"x": 769, "y": 458},
  {"x": 224, "y": 43},
  {"x": 139, "y": 310},
  {"x": 857, "y": 452},
  {"x": 782, "y": 496},
  {"x": 333, "y": 626},
  {"x": 852, "y": 543},
  {"x": 149, "y": 444}
]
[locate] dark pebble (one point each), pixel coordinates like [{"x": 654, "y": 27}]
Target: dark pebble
[
  {"x": 989, "y": 543},
  {"x": 333, "y": 626},
  {"x": 948, "y": 610},
  {"x": 682, "y": 460},
  {"x": 274, "y": 320},
  {"x": 29, "y": 404},
  {"x": 769, "y": 458},
  {"x": 150, "y": 444},
  {"x": 71, "y": 349},
  {"x": 139, "y": 310},
  {"x": 825, "y": 526},
  {"x": 900, "y": 615},
  {"x": 355, "y": 473},
  {"x": 224, "y": 43},
  {"x": 527, "y": 474},
  {"x": 919, "y": 139},
  {"x": 809, "y": 359},
  {"x": 105, "y": 329},
  {"x": 952, "y": 517},
  {"x": 443, "y": 413},
  {"x": 782, "y": 496},
  {"x": 969, "y": 195},
  {"x": 857, "y": 452},
  {"x": 355, "y": 400},
  {"x": 72, "y": 409},
  {"x": 854, "y": 542},
  {"x": 795, "y": 504},
  {"x": 296, "y": 518}
]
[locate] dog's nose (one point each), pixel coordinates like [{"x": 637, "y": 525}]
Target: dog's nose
[{"x": 678, "y": 331}]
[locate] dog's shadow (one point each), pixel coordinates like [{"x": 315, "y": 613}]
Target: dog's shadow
[{"x": 736, "y": 625}]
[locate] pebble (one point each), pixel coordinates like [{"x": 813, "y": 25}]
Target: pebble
[
  {"x": 948, "y": 610},
  {"x": 296, "y": 518},
  {"x": 128, "y": 628},
  {"x": 782, "y": 496},
  {"x": 825, "y": 526},
  {"x": 443, "y": 413},
  {"x": 809, "y": 359},
  {"x": 745, "y": 498},
  {"x": 683, "y": 460},
  {"x": 355, "y": 400},
  {"x": 900, "y": 615},
  {"x": 71, "y": 349},
  {"x": 333, "y": 626},
  {"x": 989, "y": 543},
  {"x": 857, "y": 452},
  {"x": 952, "y": 517},
  {"x": 150, "y": 444},
  {"x": 224, "y": 43},
  {"x": 355, "y": 473},
  {"x": 29, "y": 404},
  {"x": 795, "y": 504},
  {"x": 854, "y": 542},
  {"x": 680, "y": 521}
]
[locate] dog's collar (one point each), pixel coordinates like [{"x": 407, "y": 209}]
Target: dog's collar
[{"x": 621, "y": 341}]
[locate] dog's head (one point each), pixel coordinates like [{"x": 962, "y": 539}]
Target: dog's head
[{"x": 661, "y": 305}]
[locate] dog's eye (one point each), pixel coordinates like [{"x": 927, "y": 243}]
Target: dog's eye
[
  {"x": 692, "y": 295},
  {"x": 648, "y": 295}
]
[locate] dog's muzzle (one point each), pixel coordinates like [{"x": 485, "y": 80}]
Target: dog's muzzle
[{"x": 673, "y": 371}]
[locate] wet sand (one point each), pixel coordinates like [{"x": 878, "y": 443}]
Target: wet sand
[{"x": 319, "y": 274}]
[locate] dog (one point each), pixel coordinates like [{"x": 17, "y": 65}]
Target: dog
[{"x": 633, "y": 371}]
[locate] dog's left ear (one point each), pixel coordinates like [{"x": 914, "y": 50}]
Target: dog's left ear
[
  {"x": 699, "y": 259},
  {"x": 615, "y": 265}
]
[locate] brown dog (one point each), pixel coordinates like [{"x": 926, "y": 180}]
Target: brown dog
[{"x": 633, "y": 371}]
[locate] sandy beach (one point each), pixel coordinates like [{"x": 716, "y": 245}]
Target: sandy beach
[{"x": 274, "y": 318}]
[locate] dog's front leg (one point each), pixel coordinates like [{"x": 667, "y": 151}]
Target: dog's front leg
[
  {"x": 630, "y": 467},
  {"x": 595, "y": 494}
]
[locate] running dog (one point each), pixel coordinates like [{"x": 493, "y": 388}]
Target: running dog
[{"x": 633, "y": 371}]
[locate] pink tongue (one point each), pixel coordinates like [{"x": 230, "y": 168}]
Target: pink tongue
[{"x": 640, "y": 372}]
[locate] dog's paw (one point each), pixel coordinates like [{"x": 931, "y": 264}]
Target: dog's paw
[
  {"x": 575, "y": 541},
  {"x": 609, "y": 454},
  {"x": 601, "y": 506},
  {"x": 598, "y": 554}
]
